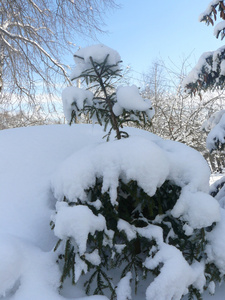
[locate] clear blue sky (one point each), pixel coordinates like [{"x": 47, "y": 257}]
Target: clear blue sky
[{"x": 144, "y": 30}]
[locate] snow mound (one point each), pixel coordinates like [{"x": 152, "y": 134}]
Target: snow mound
[{"x": 34, "y": 160}]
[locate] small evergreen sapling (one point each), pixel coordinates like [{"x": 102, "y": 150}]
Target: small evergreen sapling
[{"x": 98, "y": 67}]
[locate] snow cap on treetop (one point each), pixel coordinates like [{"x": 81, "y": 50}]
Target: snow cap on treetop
[{"x": 98, "y": 53}]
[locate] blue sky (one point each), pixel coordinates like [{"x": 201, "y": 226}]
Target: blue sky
[{"x": 142, "y": 31}]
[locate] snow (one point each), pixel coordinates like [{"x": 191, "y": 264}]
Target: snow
[
  {"x": 198, "y": 209},
  {"x": 128, "y": 98},
  {"x": 187, "y": 167},
  {"x": 35, "y": 160},
  {"x": 217, "y": 133},
  {"x": 209, "y": 9},
  {"x": 129, "y": 229},
  {"x": 213, "y": 120},
  {"x": 193, "y": 76},
  {"x": 175, "y": 275},
  {"x": 98, "y": 53},
  {"x": 215, "y": 249},
  {"x": 111, "y": 161},
  {"x": 93, "y": 258},
  {"x": 76, "y": 222},
  {"x": 220, "y": 26},
  {"x": 211, "y": 61},
  {"x": 123, "y": 290},
  {"x": 74, "y": 98}
]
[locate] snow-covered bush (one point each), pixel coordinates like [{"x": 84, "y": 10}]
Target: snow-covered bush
[
  {"x": 140, "y": 211},
  {"x": 138, "y": 205},
  {"x": 103, "y": 101}
]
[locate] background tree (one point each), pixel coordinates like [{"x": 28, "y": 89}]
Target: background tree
[
  {"x": 34, "y": 39},
  {"x": 178, "y": 116},
  {"x": 209, "y": 74}
]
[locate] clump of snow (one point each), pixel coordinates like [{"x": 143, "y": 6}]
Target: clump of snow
[
  {"x": 98, "y": 53},
  {"x": 127, "y": 228},
  {"x": 198, "y": 209},
  {"x": 176, "y": 275},
  {"x": 128, "y": 98},
  {"x": 76, "y": 222},
  {"x": 193, "y": 76},
  {"x": 187, "y": 166},
  {"x": 74, "y": 99},
  {"x": 211, "y": 62},
  {"x": 220, "y": 26},
  {"x": 123, "y": 290},
  {"x": 218, "y": 189},
  {"x": 80, "y": 267},
  {"x": 93, "y": 257},
  {"x": 212, "y": 287},
  {"x": 152, "y": 232}
]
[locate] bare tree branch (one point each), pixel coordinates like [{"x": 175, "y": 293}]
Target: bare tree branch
[{"x": 35, "y": 37}]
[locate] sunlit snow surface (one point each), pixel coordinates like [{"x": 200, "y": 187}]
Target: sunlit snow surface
[{"x": 33, "y": 161}]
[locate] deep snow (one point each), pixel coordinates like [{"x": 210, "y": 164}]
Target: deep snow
[{"x": 28, "y": 158}]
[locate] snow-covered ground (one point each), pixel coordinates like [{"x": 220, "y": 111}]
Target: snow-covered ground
[{"x": 28, "y": 159}]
